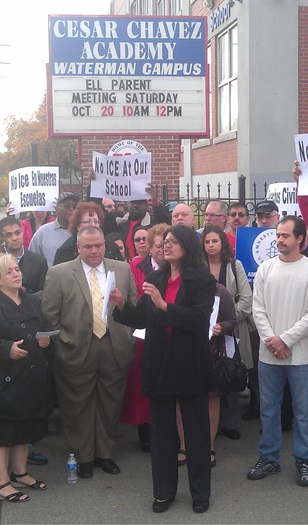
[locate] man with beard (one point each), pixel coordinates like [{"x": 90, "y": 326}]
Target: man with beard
[{"x": 283, "y": 281}]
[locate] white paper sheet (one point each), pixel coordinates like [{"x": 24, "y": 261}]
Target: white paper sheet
[
  {"x": 214, "y": 315},
  {"x": 230, "y": 346},
  {"x": 140, "y": 333},
  {"x": 110, "y": 286},
  {"x": 47, "y": 334}
]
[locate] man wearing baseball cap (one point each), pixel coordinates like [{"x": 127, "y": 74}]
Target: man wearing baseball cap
[
  {"x": 267, "y": 214},
  {"x": 50, "y": 236}
]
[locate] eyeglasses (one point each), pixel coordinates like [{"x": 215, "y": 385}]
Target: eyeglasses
[
  {"x": 240, "y": 214},
  {"x": 213, "y": 215},
  {"x": 172, "y": 242},
  {"x": 68, "y": 206},
  {"x": 94, "y": 221},
  {"x": 140, "y": 239},
  {"x": 109, "y": 206}
]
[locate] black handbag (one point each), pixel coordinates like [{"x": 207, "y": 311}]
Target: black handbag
[{"x": 230, "y": 373}]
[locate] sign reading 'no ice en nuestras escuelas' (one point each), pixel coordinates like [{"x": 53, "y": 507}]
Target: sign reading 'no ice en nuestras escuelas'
[
  {"x": 120, "y": 75},
  {"x": 34, "y": 188}
]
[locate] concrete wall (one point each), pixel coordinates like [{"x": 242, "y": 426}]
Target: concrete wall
[{"x": 268, "y": 89}]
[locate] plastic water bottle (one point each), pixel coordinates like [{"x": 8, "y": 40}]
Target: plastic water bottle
[{"x": 71, "y": 469}]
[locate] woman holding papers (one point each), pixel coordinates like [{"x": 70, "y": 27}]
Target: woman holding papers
[
  {"x": 175, "y": 310},
  {"x": 25, "y": 386},
  {"x": 231, "y": 274}
]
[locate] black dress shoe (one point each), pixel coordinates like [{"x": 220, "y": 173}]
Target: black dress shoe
[
  {"x": 84, "y": 470},
  {"x": 230, "y": 433},
  {"x": 97, "y": 462},
  {"x": 200, "y": 506},
  {"x": 110, "y": 466},
  {"x": 161, "y": 506}
]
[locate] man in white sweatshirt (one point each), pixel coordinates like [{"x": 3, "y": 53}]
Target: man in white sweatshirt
[{"x": 280, "y": 310}]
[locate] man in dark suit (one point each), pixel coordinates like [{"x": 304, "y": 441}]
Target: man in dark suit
[
  {"x": 90, "y": 370},
  {"x": 32, "y": 265}
]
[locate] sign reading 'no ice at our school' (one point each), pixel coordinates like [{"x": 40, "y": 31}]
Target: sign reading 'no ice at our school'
[{"x": 122, "y": 178}]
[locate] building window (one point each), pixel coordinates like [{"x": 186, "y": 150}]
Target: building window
[
  {"x": 209, "y": 61},
  {"x": 161, "y": 7},
  {"x": 227, "y": 81},
  {"x": 175, "y": 7},
  {"x": 145, "y": 7},
  {"x": 134, "y": 8}
]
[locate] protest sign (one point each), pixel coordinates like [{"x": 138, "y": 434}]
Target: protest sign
[
  {"x": 285, "y": 196},
  {"x": 301, "y": 148},
  {"x": 121, "y": 178},
  {"x": 254, "y": 246},
  {"x": 34, "y": 188}
]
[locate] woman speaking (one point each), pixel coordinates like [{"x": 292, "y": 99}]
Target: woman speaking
[{"x": 175, "y": 310}]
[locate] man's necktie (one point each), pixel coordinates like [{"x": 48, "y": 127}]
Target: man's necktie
[{"x": 99, "y": 325}]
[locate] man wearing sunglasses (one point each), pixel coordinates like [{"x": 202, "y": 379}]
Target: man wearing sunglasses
[{"x": 238, "y": 215}]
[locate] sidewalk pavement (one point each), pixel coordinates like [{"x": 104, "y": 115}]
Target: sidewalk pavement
[{"x": 127, "y": 498}]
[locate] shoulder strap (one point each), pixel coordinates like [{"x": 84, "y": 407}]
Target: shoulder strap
[{"x": 233, "y": 266}]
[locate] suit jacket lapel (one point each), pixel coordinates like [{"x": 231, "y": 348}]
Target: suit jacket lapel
[{"x": 81, "y": 281}]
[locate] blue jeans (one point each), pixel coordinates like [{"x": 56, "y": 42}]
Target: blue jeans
[{"x": 272, "y": 379}]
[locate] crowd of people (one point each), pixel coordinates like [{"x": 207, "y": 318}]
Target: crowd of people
[{"x": 146, "y": 357}]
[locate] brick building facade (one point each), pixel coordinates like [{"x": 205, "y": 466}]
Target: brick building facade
[{"x": 258, "y": 59}]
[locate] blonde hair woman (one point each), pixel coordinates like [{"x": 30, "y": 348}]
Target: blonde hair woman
[{"x": 25, "y": 387}]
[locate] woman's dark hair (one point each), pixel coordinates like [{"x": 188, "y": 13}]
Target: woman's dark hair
[
  {"x": 226, "y": 253},
  {"x": 115, "y": 236},
  {"x": 31, "y": 219},
  {"x": 188, "y": 240},
  {"x": 139, "y": 227}
]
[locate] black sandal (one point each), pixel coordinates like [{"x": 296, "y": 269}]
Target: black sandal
[
  {"x": 35, "y": 486},
  {"x": 14, "y": 497}
]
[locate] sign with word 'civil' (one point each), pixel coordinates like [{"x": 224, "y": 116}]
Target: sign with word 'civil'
[
  {"x": 285, "y": 196},
  {"x": 114, "y": 74},
  {"x": 34, "y": 188},
  {"x": 121, "y": 178}
]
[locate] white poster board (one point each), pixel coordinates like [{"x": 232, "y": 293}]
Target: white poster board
[
  {"x": 34, "y": 188},
  {"x": 121, "y": 178}
]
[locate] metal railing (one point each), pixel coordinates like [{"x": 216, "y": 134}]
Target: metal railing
[{"x": 198, "y": 202}]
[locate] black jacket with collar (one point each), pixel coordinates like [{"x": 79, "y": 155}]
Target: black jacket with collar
[
  {"x": 177, "y": 361},
  {"x": 25, "y": 384}
]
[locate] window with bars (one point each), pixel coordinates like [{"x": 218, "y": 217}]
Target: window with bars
[
  {"x": 161, "y": 7},
  {"x": 145, "y": 7},
  {"x": 134, "y": 8},
  {"x": 175, "y": 7},
  {"x": 227, "y": 80}
]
